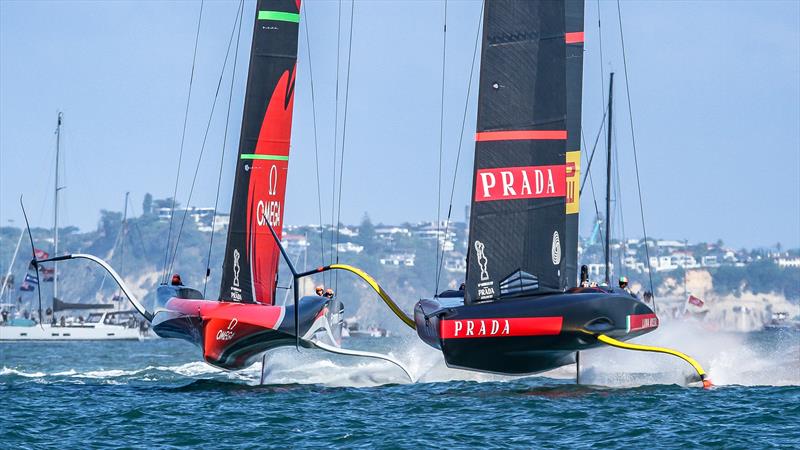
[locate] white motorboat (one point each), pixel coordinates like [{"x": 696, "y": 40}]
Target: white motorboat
[{"x": 117, "y": 325}]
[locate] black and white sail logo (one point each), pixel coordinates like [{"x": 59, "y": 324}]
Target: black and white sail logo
[
  {"x": 486, "y": 286},
  {"x": 555, "y": 250},
  {"x": 482, "y": 261},
  {"x": 236, "y": 267},
  {"x": 236, "y": 291}
]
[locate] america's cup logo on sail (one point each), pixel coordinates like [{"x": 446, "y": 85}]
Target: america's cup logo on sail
[
  {"x": 482, "y": 261},
  {"x": 486, "y": 286},
  {"x": 236, "y": 267}
]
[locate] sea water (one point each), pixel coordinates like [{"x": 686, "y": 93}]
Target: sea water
[{"x": 156, "y": 393}]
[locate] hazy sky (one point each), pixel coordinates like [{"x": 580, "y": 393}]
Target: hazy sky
[{"x": 715, "y": 91}]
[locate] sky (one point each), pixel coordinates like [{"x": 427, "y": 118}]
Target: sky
[{"x": 714, "y": 91}]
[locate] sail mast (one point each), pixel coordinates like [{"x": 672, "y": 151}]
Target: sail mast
[
  {"x": 608, "y": 181},
  {"x": 123, "y": 235},
  {"x": 55, "y": 206}
]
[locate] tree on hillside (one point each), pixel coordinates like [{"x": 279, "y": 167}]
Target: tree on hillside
[
  {"x": 366, "y": 231},
  {"x": 163, "y": 203},
  {"x": 147, "y": 204}
]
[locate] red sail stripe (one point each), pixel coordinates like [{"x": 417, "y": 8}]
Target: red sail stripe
[
  {"x": 520, "y": 135},
  {"x": 574, "y": 38},
  {"x": 500, "y": 327}
]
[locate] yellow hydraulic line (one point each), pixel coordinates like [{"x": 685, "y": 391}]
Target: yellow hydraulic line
[
  {"x": 384, "y": 296},
  {"x": 648, "y": 348}
]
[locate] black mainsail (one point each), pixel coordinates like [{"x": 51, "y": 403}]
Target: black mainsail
[
  {"x": 251, "y": 255},
  {"x": 518, "y": 219}
]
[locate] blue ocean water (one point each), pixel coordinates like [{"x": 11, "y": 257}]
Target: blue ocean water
[{"x": 156, "y": 394}]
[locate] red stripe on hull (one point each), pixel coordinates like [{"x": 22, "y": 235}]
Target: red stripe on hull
[
  {"x": 500, "y": 327},
  {"x": 574, "y": 38},
  {"x": 521, "y": 135},
  {"x": 639, "y": 322}
]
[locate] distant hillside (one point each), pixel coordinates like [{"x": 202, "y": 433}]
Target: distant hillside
[{"x": 402, "y": 258}]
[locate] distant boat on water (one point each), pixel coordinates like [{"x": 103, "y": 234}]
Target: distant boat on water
[{"x": 18, "y": 324}]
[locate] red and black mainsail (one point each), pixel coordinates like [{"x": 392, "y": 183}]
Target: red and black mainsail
[{"x": 251, "y": 255}]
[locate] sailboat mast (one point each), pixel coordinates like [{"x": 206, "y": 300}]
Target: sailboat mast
[
  {"x": 123, "y": 235},
  {"x": 55, "y": 206},
  {"x": 608, "y": 182}
]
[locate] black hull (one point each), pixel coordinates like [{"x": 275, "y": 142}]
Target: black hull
[{"x": 529, "y": 334}]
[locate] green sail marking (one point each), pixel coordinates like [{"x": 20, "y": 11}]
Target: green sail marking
[
  {"x": 278, "y": 15},
  {"x": 266, "y": 157}
]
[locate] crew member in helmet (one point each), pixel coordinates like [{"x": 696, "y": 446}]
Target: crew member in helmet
[
  {"x": 176, "y": 280},
  {"x": 328, "y": 293},
  {"x": 319, "y": 290},
  {"x": 623, "y": 284}
]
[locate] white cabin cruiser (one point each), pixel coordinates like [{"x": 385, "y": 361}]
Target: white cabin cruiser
[{"x": 98, "y": 326}]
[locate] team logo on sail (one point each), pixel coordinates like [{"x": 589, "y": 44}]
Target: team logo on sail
[
  {"x": 573, "y": 172},
  {"x": 270, "y": 211},
  {"x": 555, "y": 250},
  {"x": 516, "y": 183}
]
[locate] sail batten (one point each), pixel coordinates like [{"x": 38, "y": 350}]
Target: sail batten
[{"x": 251, "y": 256}]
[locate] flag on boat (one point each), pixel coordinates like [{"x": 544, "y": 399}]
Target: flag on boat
[
  {"x": 695, "y": 301},
  {"x": 31, "y": 279},
  {"x": 25, "y": 286},
  {"x": 40, "y": 254}
]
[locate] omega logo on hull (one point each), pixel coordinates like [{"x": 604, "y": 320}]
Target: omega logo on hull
[{"x": 227, "y": 335}]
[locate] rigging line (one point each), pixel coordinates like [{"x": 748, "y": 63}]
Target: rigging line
[
  {"x": 205, "y": 139},
  {"x": 183, "y": 140},
  {"x": 635, "y": 156},
  {"x": 594, "y": 147},
  {"x": 316, "y": 145},
  {"x": 439, "y": 264},
  {"x": 222, "y": 156},
  {"x": 336, "y": 127},
  {"x": 344, "y": 135},
  {"x": 441, "y": 146}
]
